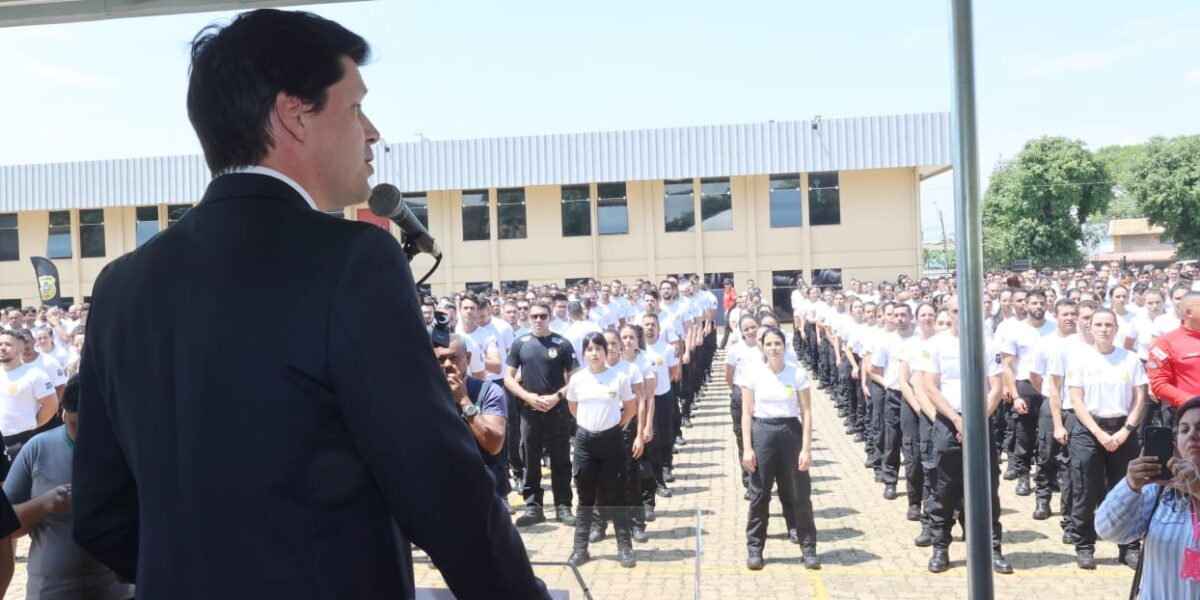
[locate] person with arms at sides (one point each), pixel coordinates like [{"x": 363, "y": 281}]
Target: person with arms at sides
[
  {"x": 625, "y": 355},
  {"x": 1164, "y": 507},
  {"x": 1057, "y": 417},
  {"x": 602, "y": 401},
  {"x": 885, "y": 364},
  {"x": 667, "y": 366},
  {"x": 1107, "y": 388},
  {"x": 48, "y": 365},
  {"x": 916, "y": 422},
  {"x": 1020, "y": 347},
  {"x": 777, "y": 449},
  {"x": 483, "y": 406},
  {"x": 355, "y": 442},
  {"x": 885, "y": 325},
  {"x": 742, "y": 358},
  {"x": 481, "y": 341},
  {"x": 545, "y": 360},
  {"x": 27, "y": 396},
  {"x": 39, "y": 483}
]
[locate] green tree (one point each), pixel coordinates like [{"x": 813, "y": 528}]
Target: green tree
[
  {"x": 1120, "y": 161},
  {"x": 1037, "y": 203},
  {"x": 1166, "y": 187}
]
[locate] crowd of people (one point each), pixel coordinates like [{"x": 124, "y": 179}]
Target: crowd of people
[{"x": 601, "y": 378}]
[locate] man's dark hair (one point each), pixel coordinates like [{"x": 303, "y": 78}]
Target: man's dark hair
[
  {"x": 238, "y": 70},
  {"x": 469, "y": 297},
  {"x": 653, "y": 293},
  {"x": 70, "y": 399},
  {"x": 18, "y": 333},
  {"x": 560, "y": 297}
]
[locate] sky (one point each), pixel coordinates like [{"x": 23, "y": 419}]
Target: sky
[{"x": 1105, "y": 72}]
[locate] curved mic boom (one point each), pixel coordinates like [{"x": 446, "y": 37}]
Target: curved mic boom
[{"x": 387, "y": 201}]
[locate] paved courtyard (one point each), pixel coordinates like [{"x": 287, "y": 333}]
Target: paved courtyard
[{"x": 865, "y": 543}]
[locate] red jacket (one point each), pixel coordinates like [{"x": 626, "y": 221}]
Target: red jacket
[
  {"x": 730, "y": 298},
  {"x": 1174, "y": 366}
]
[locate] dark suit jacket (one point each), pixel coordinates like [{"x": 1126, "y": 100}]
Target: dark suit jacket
[{"x": 259, "y": 399}]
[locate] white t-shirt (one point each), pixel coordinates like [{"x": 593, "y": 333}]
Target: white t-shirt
[
  {"x": 1126, "y": 328},
  {"x": 52, "y": 368},
  {"x": 20, "y": 392},
  {"x": 668, "y": 326},
  {"x": 663, "y": 356},
  {"x": 1165, "y": 324},
  {"x": 1051, "y": 360},
  {"x": 506, "y": 333},
  {"x": 887, "y": 355},
  {"x": 598, "y": 397},
  {"x": 476, "y": 363},
  {"x": 575, "y": 333},
  {"x": 559, "y": 326},
  {"x": 775, "y": 394},
  {"x": 633, "y": 370},
  {"x": 61, "y": 353},
  {"x": 743, "y": 359},
  {"x": 484, "y": 340},
  {"x": 797, "y": 302},
  {"x": 1107, "y": 379},
  {"x": 1021, "y": 340},
  {"x": 1144, "y": 326},
  {"x": 941, "y": 355},
  {"x": 916, "y": 355}
]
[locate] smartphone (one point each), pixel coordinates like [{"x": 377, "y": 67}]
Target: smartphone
[{"x": 1158, "y": 443}]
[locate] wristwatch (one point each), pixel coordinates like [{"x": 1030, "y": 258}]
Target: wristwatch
[
  {"x": 469, "y": 412},
  {"x": 561, "y": 396},
  {"x": 1130, "y": 428}
]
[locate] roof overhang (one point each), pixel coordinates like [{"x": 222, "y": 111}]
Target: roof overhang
[{"x": 17, "y": 13}]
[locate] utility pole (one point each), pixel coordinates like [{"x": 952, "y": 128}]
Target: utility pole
[{"x": 945, "y": 243}]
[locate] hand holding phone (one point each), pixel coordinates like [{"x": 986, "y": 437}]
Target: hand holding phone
[{"x": 1160, "y": 443}]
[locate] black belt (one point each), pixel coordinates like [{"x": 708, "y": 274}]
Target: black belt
[
  {"x": 611, "y": 431},
  {"x": 774, "y": 420},
  {"x": 1109, "y": 422}
]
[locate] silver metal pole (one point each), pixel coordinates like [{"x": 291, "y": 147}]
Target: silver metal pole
[{"x": 977, "y": 468}]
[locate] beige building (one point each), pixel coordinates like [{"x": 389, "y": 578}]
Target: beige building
[
  {"x": 763, "y": 201},
  {"x": 1136, "y": 240}
]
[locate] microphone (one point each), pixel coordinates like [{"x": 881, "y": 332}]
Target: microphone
[{"x": 387, "y": 201}]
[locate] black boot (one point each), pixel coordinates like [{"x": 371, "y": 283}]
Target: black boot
[
  {"x": 940, "y": 561},
  {"x": 924, "y": 540},
  {"x": 1023, "y": 488},
  {"x": 1001, "y": 564},
  {"x": 624, "y": 546},
  {"x": 810, "y": 558},
  {"x": 755, "y": 561},
  {"x": 1042, "y": 511},
  {"x": 583, "y": 527}
]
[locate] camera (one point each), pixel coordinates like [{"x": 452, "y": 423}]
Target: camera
[{"x": 439, "y": 332}]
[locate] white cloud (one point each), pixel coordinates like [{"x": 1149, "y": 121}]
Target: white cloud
[{"x": 1193, "y": 75}]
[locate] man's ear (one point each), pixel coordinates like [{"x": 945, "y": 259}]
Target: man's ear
[{"x": 289, "y": 117}]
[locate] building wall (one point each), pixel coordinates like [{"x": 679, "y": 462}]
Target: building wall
[
  {"x": 878, "y": 238},
  {"x": 1138, "y": 243}
]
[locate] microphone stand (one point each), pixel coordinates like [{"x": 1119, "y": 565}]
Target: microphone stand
[{"x": 411, "y": 251}]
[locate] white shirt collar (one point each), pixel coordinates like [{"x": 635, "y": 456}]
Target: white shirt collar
[{"x": 261, "y": 170}]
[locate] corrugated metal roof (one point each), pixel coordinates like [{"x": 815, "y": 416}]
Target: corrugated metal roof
[{"x": 917, "y": 140}]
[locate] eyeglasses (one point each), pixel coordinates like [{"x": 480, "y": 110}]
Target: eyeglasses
[{"x": 539, "y": 317}]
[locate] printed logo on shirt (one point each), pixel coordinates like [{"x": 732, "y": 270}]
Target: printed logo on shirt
[
  {"x": 526, "y": 338},
  {"x": 12, "y": 388},
  {"x": 553, "y": 352},
  {"x": 1159, "y": 352},
  {"x": 612, "y": 390},
  {"x": 791, "y": 391},
  {"x": 658, "y": 360},
  {"x": 1150, "y": 363}
]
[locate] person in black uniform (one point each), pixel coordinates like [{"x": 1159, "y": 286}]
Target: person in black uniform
[
  {"x": 546, "y": 361},
  {"x": 777, "y": 448}
]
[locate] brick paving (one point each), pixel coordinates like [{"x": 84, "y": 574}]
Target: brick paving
[{"x": 864, "y": 541}]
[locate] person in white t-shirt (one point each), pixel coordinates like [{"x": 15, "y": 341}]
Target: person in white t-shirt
[
  {"x": 1107, "y": 389},
  {"x": 941, "y": 378},
  {"x": 742, "y": 358},
  {"x": 1153, "y": 308},
  {"x": 1056, "y": 417},
  {"x": 777, "y": 449},
  {"x": 46, "y": 345},
  {"x": 579, "y": 329},
  {"x": 45, "y": 362},
  {"x": 602, "y": 401},
  {"x": 27, "y": 398},
  {"x": 481, "y": 341},
  {"x": 667, "y": 368}
]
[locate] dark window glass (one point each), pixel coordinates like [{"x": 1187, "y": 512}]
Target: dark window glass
[
  {"x": 577, "y": 281},
  {"x": 479, "y": 287},
  {"x": 510, "y": 211},
  {"x": 147, "y": 224},
  {"x": 59, "y": 244},
  {"x": 824, "y": 204},
  {"x": 785, "y": 201},
  {"x": 514, "y": 286},
  {"x": 679, "y": 205},
  {"x": 716, "y": 204},
  {"x": 477, "y": 224},
  {"x": 783, "y": 283},
  {"x": 419, "y": 205},
  {"x": 827, "y": 277},
  {"x": 612, "y": 209},
  {"x": 576, "y": 210},
  {"x": 175, "y": 212},
  {"x": 10, "y": 243},
  {"x": 91, "y": 233}
]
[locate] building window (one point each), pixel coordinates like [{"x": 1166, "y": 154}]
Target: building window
[
  {"x": 419, "y": 205},
  {"x": 612, "y": 208},
  {"x": 576, "y": 211},
  {"x": 59, "y": 244},
  {"x": 824, "y": 204},
  {"x": 577, "y": 282},
  {"x": 783, "y": 283},
  {"x": 147, "y": 224},
  {"x": 827, "y": 278},
  {"x": 175, "y": 212},
  {"x": 10, "y": 242},
  {"x": 479, "y": 287},
  {"x": 477, "y": 223},
  {"x": 510, "y": 210},
  {"x": 716, "y": 204},
  {"x": 679, "y": 206},
  {"x": 785, "y": 201},
  {"x": 514, "y": 286},
  {"x": 91, "y": 233}
]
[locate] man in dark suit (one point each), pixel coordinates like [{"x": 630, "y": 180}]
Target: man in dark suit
[{"x": 260, "y": 402}]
